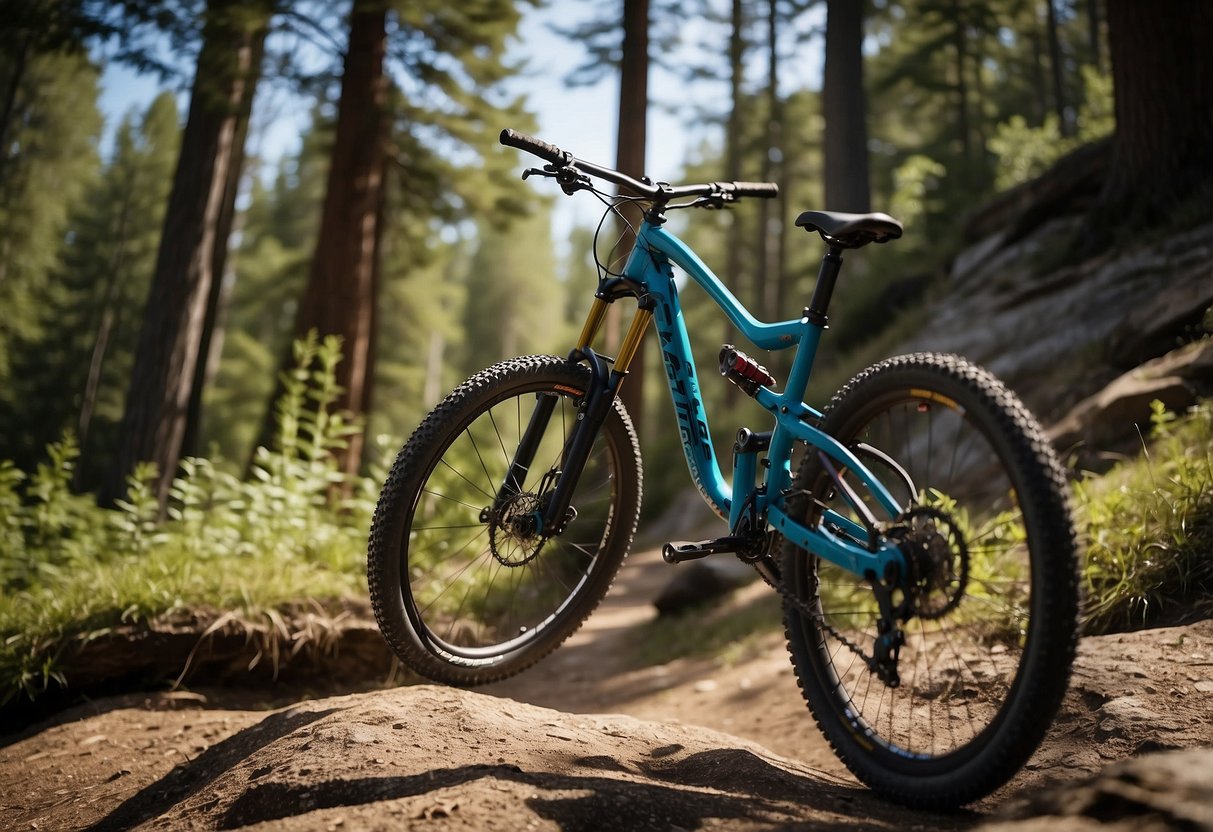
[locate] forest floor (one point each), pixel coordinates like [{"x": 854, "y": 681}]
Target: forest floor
[{"x": 591, "y": 738}]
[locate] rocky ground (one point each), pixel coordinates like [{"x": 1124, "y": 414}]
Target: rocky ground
[{"x": 595, "y": 738}]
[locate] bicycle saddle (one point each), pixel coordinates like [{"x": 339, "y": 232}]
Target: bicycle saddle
[{"x": 850, "y": 230}]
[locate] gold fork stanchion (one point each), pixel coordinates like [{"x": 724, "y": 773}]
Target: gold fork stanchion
[{"x": 631, "y": 341}]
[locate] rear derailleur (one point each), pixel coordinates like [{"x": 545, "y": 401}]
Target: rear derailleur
[{"x": 931, "y": 585}]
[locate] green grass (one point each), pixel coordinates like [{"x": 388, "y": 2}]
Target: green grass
[{"x": 1148, "y": 528}]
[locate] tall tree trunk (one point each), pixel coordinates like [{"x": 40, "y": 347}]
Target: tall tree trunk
[
  {"x": 211, "y": 344},
  {"x": 1093, "y": 35},
  {"x": 340, "y": 294},
  {"x": 1039, "y": 107},
  {"x": 960, "y": 44},
  {"x": 10, "y": 102},
  {"x": 844, "y": 105},
  {"x": 769, "y": 277},
  {"x": 734, "y": 255},
  {"x": 1162, "y": 151},
  {"x": 1056, "y": 64},
  {"x": 630, "y": 150},
  {"x": 108, "y": 321},
  {"x": 153, "y": 423}
]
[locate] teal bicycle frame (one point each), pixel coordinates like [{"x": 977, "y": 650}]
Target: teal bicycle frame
[{"x": 649, "y": 269}]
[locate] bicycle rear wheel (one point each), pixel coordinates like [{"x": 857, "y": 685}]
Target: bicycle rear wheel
[
  {"x": 992, "y": 627},
  {"x": 465, "y": 585}
]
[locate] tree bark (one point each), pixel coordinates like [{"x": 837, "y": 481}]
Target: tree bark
[
  {"x": 960, "y": 47},
  {"x": 734, "y": 254},
  {"x": 153, "y": 423},
  {"x": 769, "y": 277},
  {"x": 1162, "y": 150},
  {"x": 340, "y": 294},
  {"x": 221, "y": 287},
  {"x": 844, "y": 105},
  {"x": 1056, "y": 64},
  {"x": 10, "y": 102},
  {"x": 630, "y": 150},
  {"x": 1039, "y": 106},
  {"x": 1093, "y": 35}
]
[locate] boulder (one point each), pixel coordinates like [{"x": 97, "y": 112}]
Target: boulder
[
  {"x": 1115, "y": 418},
  {"x": 1151, "y": 793}
]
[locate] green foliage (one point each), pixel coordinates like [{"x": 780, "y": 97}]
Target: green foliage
[
  {"x": 295, "y": 529},
  {"x": 48, "y": 160},
  {"x": 514, "y": 304},
  {"x": 1148, "y": 527},
  {"x": 75, "y": 374},
  {"x": 914, "y": 182},
  {"x": 1024, "y": 152}
]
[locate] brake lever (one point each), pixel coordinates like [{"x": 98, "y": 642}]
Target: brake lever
[
  {"x": 551, "y": 174},
  {"x": 712, "y": 202},
  {"x": 567, "y": 177}
]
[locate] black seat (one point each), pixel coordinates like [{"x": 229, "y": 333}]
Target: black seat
[{"x": 850, "y": 230}]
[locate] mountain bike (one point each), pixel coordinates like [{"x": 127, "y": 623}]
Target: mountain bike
[{"x": 923, "y": 546}]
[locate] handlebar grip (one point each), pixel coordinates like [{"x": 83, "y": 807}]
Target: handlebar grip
[
  {"x": 763, "y": 190},
  {"x": 512, "y": 138}
]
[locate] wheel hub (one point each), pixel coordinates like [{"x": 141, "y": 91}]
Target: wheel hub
[{"x": 514, "y": 536}]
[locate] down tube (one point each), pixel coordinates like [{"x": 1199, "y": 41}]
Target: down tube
[{"x": 684, "y": 389}]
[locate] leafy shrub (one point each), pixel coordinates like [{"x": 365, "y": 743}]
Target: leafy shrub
[{"x": 294, "y": 529}]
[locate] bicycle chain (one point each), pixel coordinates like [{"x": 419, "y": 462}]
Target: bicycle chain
[{"x": 803, "y": 607}]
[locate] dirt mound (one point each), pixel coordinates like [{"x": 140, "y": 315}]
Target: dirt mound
[{"x": 430, "y": 754}]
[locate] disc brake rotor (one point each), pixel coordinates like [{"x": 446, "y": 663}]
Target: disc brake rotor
[{"x": 514, "y": 537}]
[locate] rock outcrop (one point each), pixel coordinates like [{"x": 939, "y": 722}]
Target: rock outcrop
[{"x": 1059, "y": 335}]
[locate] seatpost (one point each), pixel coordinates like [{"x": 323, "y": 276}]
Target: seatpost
[{"x": 831, "y": 264}]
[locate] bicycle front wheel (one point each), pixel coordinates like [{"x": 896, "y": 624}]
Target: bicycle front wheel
[
  {"x": 989, "y": 622},
  {"x": 465, "y": 584}
]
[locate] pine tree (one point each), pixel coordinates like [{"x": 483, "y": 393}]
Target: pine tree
[
  {"x": 1162, "y": 151},
  {"x": 49, "y": 160},
  {"x": 514, "y": 303},
  {"x": 92, "y": 323},
  {"x": 50, "y": 163},
  {"x": 154, "y": 419},
  {"x": 454, "y": 54}
]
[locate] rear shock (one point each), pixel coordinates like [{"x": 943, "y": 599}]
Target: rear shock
[{"x": 743, "y": 371}]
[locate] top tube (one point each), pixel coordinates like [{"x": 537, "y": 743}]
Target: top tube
[{"x": 768, "y": 336}]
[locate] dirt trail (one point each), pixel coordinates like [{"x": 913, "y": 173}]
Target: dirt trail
[
  {"x": 755, "y": 698},
  {"x": 434, "y": 758}
]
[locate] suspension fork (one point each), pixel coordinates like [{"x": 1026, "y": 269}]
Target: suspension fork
[
  {"x": 524, "y": 456},
  {"x": 592, "y": 412}
]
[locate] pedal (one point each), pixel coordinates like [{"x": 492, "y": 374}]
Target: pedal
[{"x": 683, "y": 551}]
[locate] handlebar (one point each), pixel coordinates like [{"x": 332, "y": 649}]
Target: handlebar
[
  {"x": 550, "y": 152},
  {"x": 659, "y": 192}
]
